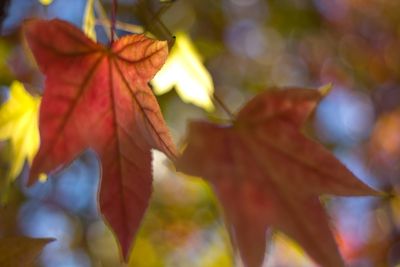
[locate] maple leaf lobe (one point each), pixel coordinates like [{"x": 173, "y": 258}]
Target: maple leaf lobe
[
  {"x": 98, "y": 97},
  {"x": 292, "y": 105},
  {"x": 266, "y": 173}
]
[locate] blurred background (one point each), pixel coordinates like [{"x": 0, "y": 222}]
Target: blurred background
[{"x": 236, "y": 48}]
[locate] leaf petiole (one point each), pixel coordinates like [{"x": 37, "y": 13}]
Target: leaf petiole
[
  {"x": 223, "y": 106},
  {"x": 113, "y": 20}
]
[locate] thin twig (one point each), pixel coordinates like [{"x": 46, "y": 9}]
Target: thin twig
[
  {"x": 155, "y": 19},
  {"x": 157, "y": 16},
  {"x": 223, "y": 106}
]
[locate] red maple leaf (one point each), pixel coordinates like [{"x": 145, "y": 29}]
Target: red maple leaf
[
  {"x": 98, "y": 97},
  {"x": 266, "y": 173}
]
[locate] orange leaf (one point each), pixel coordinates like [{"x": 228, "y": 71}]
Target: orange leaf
[
  {"x": 266, "y": 173},
  {"x": 98, "y": 97}
]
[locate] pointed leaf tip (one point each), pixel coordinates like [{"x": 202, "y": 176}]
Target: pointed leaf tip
[
  {"x": 325, "y": 89},
  {"x": 292, "y": 105}
]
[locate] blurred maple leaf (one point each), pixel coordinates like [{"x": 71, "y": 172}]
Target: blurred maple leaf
[
  {"x": 184, "y": 70},
  {"x": 20, "y": 251},
  {"x": 18, "y": 123},
  {"x": 266, "y": 173},
  {"x": 98, "y": 97}
]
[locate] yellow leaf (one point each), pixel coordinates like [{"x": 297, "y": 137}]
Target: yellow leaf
[
  {"x": 144, "y": 254},
  {"x": 185, "y": 70},
  {"x": 46, "y": 2},
  {"x": 287, "y": 252},
  {"x": 89, "y": 21},
  {"x": 19, "y": 124}
]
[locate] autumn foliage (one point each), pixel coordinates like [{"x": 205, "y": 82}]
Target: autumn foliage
[
  {"x": 98, "y": 97},
  {"x": 266, "y": 172}
]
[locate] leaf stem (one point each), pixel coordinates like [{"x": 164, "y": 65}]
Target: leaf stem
[
  {"x": 157, "y": 17},
  {"x": 223, "y": 106},
  {"x": 113, "y": 19},
  {"x": 128, "y": 27},
  {"x": 155, "y": 25}
]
